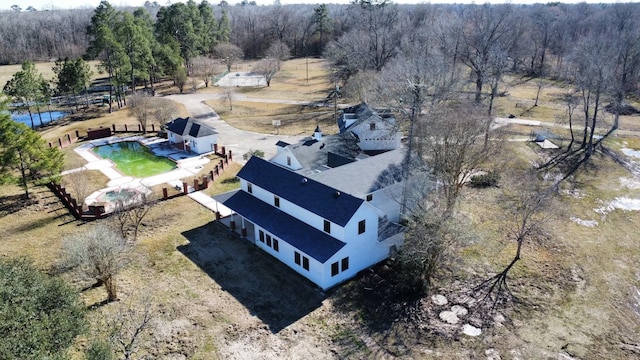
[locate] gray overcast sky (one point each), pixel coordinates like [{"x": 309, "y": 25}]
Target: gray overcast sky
[{"x": 65, "y": 4}]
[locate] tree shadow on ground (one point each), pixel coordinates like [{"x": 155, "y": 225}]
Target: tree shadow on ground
[{"x": 267, "y": 288}]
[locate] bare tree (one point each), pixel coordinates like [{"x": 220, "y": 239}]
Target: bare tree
[
  {"x": 99, "y": 253},
  {"x": 453, "y": 145},
  {"x": 205, "y": 68},
  {"x": 127, "y": 218},
  {"x": 228, "y": 52},
  {"x": 140, "y": 106},
  {"x": 228, "y": 94},
  {"x": 163, "y": 111},
  {"x": 130, "y": 327},
  {"x": 280, "y": 52},
  {"x": 525, "y": 207},
  {"x": 268, "y": 68},
  {"x": 79, "y": 184}
]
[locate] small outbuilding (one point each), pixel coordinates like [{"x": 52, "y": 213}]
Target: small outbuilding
[{"x": 192, "y": 135}]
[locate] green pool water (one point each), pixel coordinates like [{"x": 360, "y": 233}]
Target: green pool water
[{"x": 135, "y": 160}]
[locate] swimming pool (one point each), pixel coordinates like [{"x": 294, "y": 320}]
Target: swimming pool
[{"x": 133, "y": 159}]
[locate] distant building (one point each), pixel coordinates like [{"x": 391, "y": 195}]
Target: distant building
[
  {"x": 373, "y": 129},
  {"x": 192, "y": 135}
]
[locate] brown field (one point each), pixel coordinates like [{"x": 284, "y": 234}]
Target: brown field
[
  {"x": 45, "y": 68},
  {"x": 215, "y": 296}
]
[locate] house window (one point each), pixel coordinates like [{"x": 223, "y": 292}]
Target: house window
[
  {"x": 345, "y": 264},
  {"x": 327, "y": 226},
  {"x": 261, "y": 235},
  {"x": 305, "y": 263},
  {"x": 361, "y": 226},
  {"x": 289, "y": 160},
  {"x": 276, "y": 201},
  {"x": 335, "y": 269},
  {"x": 296, "y": 257},
  {"x": 276, "y": 246},
  {"x": 369, "y": 197},
  {"x": 372, "y": 126},
  {"x": 268, "y": 240},
  {"x": 249, "y": 188}
]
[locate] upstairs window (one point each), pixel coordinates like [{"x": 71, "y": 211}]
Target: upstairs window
[
  {"x": 276, "y": 201},
  {"x": 249, "y": 188},
  {"x": 296, "y": 257},
  {"x": 327, "y": 226},
  {"x": 305, "y": 263},
  {"x": 361, "y": 226},
  {"x": 369, "y": 197},
  {"x": 289, "y": 160},
  {"x": 372, "y": 126}
]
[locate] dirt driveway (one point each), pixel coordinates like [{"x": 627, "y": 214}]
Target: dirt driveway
[{"x": 236, "y": 140}]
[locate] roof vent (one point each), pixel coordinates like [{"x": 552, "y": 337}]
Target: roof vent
[
  {"x": 304, "y": 180},
  {"x": 337, "y": 194}
]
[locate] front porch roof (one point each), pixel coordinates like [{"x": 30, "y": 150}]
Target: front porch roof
[{"x": 298, "y": 234}]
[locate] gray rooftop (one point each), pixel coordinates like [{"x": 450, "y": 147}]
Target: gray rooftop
[
  {"x": 314, "y": 155},
  {"x": 364, "y": 176}
]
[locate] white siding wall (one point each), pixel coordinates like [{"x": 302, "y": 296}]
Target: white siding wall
[
  {"x": 281, "y": 159},
  {"x": 174, "y": 138},
  {"x": 383, "y": 138},
  {"x": 286, "y": 255},
  {"x": 388, "y": 201},
  {"x": 203, "y": 144}
]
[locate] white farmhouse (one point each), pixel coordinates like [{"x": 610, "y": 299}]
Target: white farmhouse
[
  {"x": 374, "y": 129},
  {"x": 326, "y": 225},
  {"x": 192, "y": 135}
]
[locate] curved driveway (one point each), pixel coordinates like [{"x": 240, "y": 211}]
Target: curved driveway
[{"x": 236, "y": 140}]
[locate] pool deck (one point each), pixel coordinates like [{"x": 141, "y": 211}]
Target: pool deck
[{"x": 187, "y": 164}]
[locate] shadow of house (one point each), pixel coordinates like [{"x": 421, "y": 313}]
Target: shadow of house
[{"x": 267, "y": 288}]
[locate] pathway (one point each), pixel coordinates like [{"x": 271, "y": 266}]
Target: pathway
[{"x": 236, "y": 140}]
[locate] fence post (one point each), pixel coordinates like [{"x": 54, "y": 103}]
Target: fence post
[
  {"x": 195, "y": 185},
  {"x": 114, "y": 127},
  {"x": 215, "y": 148},
  {"x": 223, "y": 150},
  {"x": 60, "y": 142},
  {"x": 139, "y": 127},
  {"x": 230, "y": 156},
  {"x": 69, "y": 138},
  {"x": 125, "y": 128},
  {"x": 185, "y": 188},
  {"x": 77, "y": 134},
  {"x": 164, "y": 194}
]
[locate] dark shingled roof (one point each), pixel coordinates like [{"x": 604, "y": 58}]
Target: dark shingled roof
[
  {"x": 307, "y": 239},
  {"x": 318, "y": 198},
  {"x": 186, "y": 126},
  {"x": 177, "y": 125},
  {"x": 194, "y": 130}
]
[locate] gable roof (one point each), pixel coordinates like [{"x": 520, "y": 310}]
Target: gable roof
[
  {"x": 190, "y": 127},
  {"x": 361, "y": 113},
  {"x": 365, "y": 176},
  {"x": 307, "y": 239},
  {"x": 316, "y": 197},
  {"x": 314, "y": 155},
  {"x": 177, "y": 125}
]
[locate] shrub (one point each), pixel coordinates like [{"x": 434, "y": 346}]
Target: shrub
[{"x": 489, "y": 179}]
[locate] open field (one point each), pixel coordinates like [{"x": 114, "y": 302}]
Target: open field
[
  {"x": 45, "y": 68},
  {"x": 215, "y": 296}
]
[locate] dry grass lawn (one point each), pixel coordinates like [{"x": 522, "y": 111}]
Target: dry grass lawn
[{"x": 216, "y": 296}]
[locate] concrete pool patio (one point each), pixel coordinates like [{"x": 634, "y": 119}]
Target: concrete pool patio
[{"x": 187, "y": 165}]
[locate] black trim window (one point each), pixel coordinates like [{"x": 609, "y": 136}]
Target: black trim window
[
  {"x": 361, "y": 226},
  {"x": 289, "y": 160},
  {"x": 261, "y": 236},
  {"x": 249, "y": 188},
  {"x": 301, "y": 260},
  {"x": 268, "y": 240},
  {"x": 327, "y": 226},
  {"x": 369, "y": 197},
  {"x": 345, "y": 264},
  {"x": 337, "y": 267},
  {"x": 276, "y": 201},
  {"x": 276, "y": 246},
  {"x": 372, "y": 126}
]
